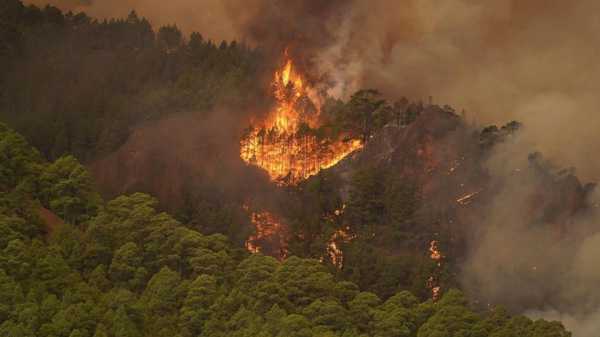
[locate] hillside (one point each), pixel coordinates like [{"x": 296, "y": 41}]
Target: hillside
[
  {"x": 157, "y": 182},
  {"x": 120, "y": 268}
]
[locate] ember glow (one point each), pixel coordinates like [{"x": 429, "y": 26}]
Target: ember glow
[
  {"x": 433, "y": 281},
  {"x": 333, "y": 250},
  {"x": 435, "y": 255},
  {"x": 285, "y": 144},
  {"x": 268, "y": 233}
]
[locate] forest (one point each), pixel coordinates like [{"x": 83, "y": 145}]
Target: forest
[
  {"x": 117, "y": 73},
  {"x": 122, "y": 268},
  {"x": 101, "y": 236}
]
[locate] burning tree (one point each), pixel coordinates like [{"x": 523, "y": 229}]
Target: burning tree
[{"x": 286, "y": 144}]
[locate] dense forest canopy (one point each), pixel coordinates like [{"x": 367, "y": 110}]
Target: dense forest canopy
[
  {"x": 121, "y": 268},
  {"x": 73, "y": 84},
  {"x": 126, "y": 210}
]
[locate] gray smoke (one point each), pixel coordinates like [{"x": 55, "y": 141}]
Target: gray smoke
[
  {"x": 534, "y": 61},
  {"x": 544, "y": 266}
]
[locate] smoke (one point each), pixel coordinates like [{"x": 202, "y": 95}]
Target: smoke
[
  {"x": 170, "y": 156},
  {"x": 580, "y": 326},
  {"x": 536, "y": 247},
  {"x": 213, "y": 18},
  {"x": 533, "y": 61},
  {"x": 304, "y": 28}
]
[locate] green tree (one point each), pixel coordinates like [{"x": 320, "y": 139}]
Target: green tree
[
  {"x": 10, "y": 295},
  {"x": 304, "y": 280},
  {"x": 123, "y": 325},
  {"x": 67, "y": 189},
  {"x": 394, "y": 322},
  {"x": 362, "y": 310},
  {"x": 53, "y": 272},
  {"x": 365, "y": 113},
  {"x": 451, "y": 319},
  {"x": 20, "y": 162},
  {"x": 169, "y": 38},
  {"x": 197, "y": 304},
  {"x": 7, "y": 232},
  {"x": 366, "y": 205},
  {"x": 126, "y": 266},
  {"x": 328, "y": 314},
  {"x": 295, "y": 326},
  {"x": 162, "y": 294}
]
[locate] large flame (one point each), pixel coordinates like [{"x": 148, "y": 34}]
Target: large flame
[{"x": 285, "y": 144}]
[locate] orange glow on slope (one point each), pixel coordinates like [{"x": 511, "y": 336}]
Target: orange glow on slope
[
  {"x": 333, "y": 250},
  {"x": 435, "y": 255},
  {"x": 433, "y": 281},
  {"x": 268, "y": 232},
  {"x": 285, "y": 144}
]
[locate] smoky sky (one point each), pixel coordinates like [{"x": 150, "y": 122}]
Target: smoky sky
[
  {"x": 534, "y": 61},
  {"x": 544, "y": 267}
]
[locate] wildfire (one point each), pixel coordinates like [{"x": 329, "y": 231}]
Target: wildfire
[
  {"x": 340, "y": 211},
  {"x": 433, "y": 281},
  {"x": 436, "y": 255},
  {"x": 435, "y": 290},
  {"x": 268, "y": 233},
  {"x": 335, "y": 253},
  {"x": 285, "y": 145}
]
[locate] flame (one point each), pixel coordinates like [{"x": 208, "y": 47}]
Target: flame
[
  {"x": 281, "y": 145},
  {"x": 435, "y": 292},
  {"x": 433, "y": 281},
  {"x": 268, "y": 229},
  {"x": 436, "y": 255},
  {"x": 333, "y": 250},
  {"x": 339, "y": 212}
]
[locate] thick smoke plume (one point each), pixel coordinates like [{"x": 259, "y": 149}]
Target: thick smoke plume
[
  {"x": 531, "y": 257},
  {"x": 534, "y": 61}
]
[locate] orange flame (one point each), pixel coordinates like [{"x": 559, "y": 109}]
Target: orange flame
[
  {"x": 436, "y": 255},
  {"x": 284, "y": 148},
  {"x": 432, "y": 282},
  {"x": 268, "y": 230},
  {"x": 334, "y": 251}
]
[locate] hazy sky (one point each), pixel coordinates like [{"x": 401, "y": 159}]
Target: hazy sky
[{"x": 533, "y": 60}]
